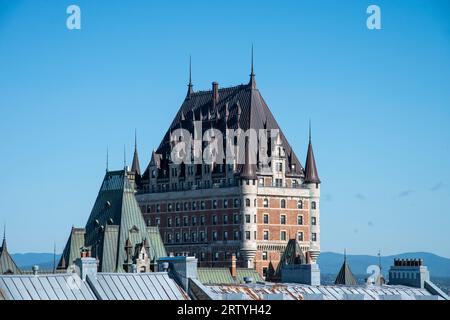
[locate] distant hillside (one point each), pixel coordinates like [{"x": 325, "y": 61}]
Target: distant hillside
[
  {"x": 331, "y": 262},
  {"x": 26, "y": 260}
]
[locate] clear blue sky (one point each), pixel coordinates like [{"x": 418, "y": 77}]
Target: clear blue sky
[{"x": 379, "y": 102}]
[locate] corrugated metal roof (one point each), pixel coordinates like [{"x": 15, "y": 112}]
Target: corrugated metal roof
[
  {"x": 292, "y": 291},
  {"x": 45, "y": 287},
  {"x": 136, "y": 286}
]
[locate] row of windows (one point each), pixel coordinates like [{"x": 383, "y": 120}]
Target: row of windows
[
  {"x": 283, "y": 219},
  {"x": 283, "y": 236},
  {"x": 201, "y": 236},
  {"x": 195, "y": 205},
  {"x": 194, "y": 220},
  {"x": 216, "y": 256}
]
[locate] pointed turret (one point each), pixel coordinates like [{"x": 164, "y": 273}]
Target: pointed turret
[
  {"x": 249, "y": 167},
  {"x": 135, "y": 167},
  {"x": 252, "y": 82},
  {"x": 345, "y": 275},
  {"x": 311, "y": 175},
  {"x": 4, "y": 238}
]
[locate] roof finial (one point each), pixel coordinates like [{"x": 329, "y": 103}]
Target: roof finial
[
  {"x": 309, "y": 129},
  {"x": 252, "y": 62},
  {"x": 190, "y": 85},
  {"x": 107, "y": 159},
  {"x": 4, "y": 231},
  {"x": 252, "y": 82},
  {"x": 135, "y": 139},
  {"x": 379, "y": 259},
  {"x": 124, "y": 156}
]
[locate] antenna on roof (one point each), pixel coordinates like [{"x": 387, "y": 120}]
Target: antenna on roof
[
  {"x": 135, "y": 139},
  {"x": 379, "y": 259}
]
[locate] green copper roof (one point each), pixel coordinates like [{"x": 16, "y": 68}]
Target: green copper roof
[
  {"x": 250, "y": 273},
  {"x": 72, "y": 248},
  {"x": 156, "y": 244},
  {"x": 115, "y": 218},
  {"x": 223, "y": 275},
  {"x": 215, "y": 275}
]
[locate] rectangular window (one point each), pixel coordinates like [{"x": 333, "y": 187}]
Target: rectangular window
[
  {"x": 177, "y": 221},
  {"x": 214, "y": 235},
  {"x": 313, "y": 236},
  {"x": 313, "y": 221},
  {"x": 237, "y": 203},
  {"x": 185, "y": 237},
  {"x": 247, "y": 218},
  {"x": 177, "y": 237},
  {"x": 202, "y": 220},
  {"x": 266, "y": 235},
  {"x": 225, "y": 236},
  {"x": 279, "y": 167},
  {"x": 236, "y": 235},
  {"x": 202, "y": 236},
  {"x": 185, "y": 221},
  {"x": 300, "y": 236},
  {"x": 283, "y": 235},
  {"x": 194, "y": 221},
  {"x": 214, "y": 219},
  {"x": 266, "y": 203},
  {"x": 278, "y": 182},
  {"x": 283, "y": 219},
  {"x": 169, "y": 222},
  {"x": 194, "y": 236},
  {"x": 266, "y": 219},
  {"x": 265, "y": 272},
  {"x": 225, "y": 204},
  {"x": 202, "y": 205},
  {"x": 158, "y": 208},
  {"x": 214, "y": 204},
  {"x": 225, "y": 219},
  {"x": 300, "y": 220},
  {"x": 247, "y": 235},
  {"x": 265, "y": 255},
  {"x": 236, "y": 218},
  {"x": 158, "y": 221}
]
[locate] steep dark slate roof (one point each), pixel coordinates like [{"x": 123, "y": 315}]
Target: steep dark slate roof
[
  {"x": 135, "y": 167},
  {"x": 240, "y": 106},
  {"x": 7, "y": 264},
  {"x": 115, "y": 220},
  {"x": 293, "y": 254},
  {"x": 311, "y": 175},
  {"x": 345, "y": 275}
]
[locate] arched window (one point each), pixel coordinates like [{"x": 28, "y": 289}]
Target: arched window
[
  {"x": 283, "y": 203},
  {"x": 299, "y": 204},
  {"x": 313, "y": 205},
  {"x": 247, "y": 202}
]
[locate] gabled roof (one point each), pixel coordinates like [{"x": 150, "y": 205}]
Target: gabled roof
[
  {"x": 240, "y": 106},
  {"x": 72, "y": 248},
  {"x": 7, "y": 264},
  {"x": 345, "y": 275}
]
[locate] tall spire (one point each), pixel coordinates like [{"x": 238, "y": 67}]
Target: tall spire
[
  {"x": 4, "y": 238},
  {"x": 252, "y": 82},
  {"x": 124, "y": 157},
  {"x": 107, "y": 159},
  {"x": 311, "y": 175},
  {"x": 190, "y": 85},
  {"x": 135, "y": 167}
]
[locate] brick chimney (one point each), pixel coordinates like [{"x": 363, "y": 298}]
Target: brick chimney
[
  {"x": 233, "y": 266},
  {"x": 215, "y": 93}
]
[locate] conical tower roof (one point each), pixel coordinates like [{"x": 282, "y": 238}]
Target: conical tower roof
[
  {"x": 345, "y": 275},
  {"x": 311, "y": 175}
]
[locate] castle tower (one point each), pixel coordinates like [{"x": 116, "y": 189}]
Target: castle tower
[{"x": 312, "y": 182}]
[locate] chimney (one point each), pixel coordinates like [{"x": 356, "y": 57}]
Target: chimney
[
  {"x": 233, "y": 266},
  {"x": 215, "y": 93}
]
